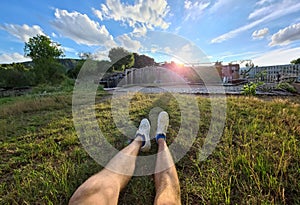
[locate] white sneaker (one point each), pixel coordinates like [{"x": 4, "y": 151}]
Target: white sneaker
[
  {"x": 143, "y": 131},
  {"x": 162, "y": 123}
]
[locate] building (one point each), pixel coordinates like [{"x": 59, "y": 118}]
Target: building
[
  {"x": 229, "y": 73},
  {"x": 275, "y": 73}
]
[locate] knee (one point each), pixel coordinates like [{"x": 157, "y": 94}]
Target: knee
[
  {"x": 166, "y": 201},
  {"x": 100, "y": 191},
  {"x": 109, "y": 190},
  {"x": 169, "y": 199}
]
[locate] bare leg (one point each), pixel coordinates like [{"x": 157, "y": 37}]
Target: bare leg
[
  {"x": 166, "y": 182},
  {"x": 105, "y": 186}
]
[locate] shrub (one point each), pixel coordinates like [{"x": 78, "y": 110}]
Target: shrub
[
  {"x": 249, "y": 89},
  {"x": 67, "y": 85},
  {"x": 45, "y": 88},
  {"x": 286, "y": 86},
  {"x": 16, "y": 75}
]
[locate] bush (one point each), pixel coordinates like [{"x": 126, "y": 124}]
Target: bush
[
  {"x": 49, "y": 72},
  {"x": 287, "y": 87},
  {"x": 45, "y": 88},
  {"x": 72, "y": 73},
  {"x": 66, "y": 85},
  {"x": 249, "y": 89},
  {"x": 16, "y": 75}
]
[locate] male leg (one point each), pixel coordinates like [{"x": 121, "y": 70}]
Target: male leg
[
  {"x": 166, "y": 180},
  {"x": 105, "y": 186}
]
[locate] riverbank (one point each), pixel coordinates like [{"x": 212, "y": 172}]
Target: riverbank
[{"x": 195, "y": 89}]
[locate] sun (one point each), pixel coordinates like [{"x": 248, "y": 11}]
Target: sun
[{"x": 177, "y": 61}]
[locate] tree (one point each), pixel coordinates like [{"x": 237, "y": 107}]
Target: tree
[
  {"x": 44, "y": 54},
  {"x": 15, "y": 75},
  {"x": 85, "y": 55},
  {"x": 249, "y": 66},
  {"x": 296, "y": 61},
  {"x": 141, "y": 61},
  {"x": 41, "y": 47},
  {"x": 121, "y": 58},
  {"x": 92, "y": 68},
  {"x": 73, "y": 73}
]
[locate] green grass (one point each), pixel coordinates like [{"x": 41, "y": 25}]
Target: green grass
[{"x": 257, "y": 160}]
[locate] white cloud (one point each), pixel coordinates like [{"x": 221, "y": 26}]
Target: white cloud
[
  {"x": 146, "y": 13},
  {"x": 188, "y": 4},
  {"x": 168, "y": 50},
  {"x": 177, "y": 29},
  {"x": 140, "y": 30},
  {"x": 261, "y": 12},
  {"x": 98, "y": 13},
  {"x": 154, "y": 48},
  {"x": 194, "y": 10},
  {"x": 80, "y": 28},
  {"x": 235, "y": 32},
  {"x": 221, "y": 4},
  {"x": 189, "y": 53},
  {"x": 262, "y": 2},
  {"x": 260, "y": 34},
  {"x": 23, "y": 32},
  {"x": 128, "y": 43},
  {"x": 286, "y": 35},
  {"x": 229, "y": 56},
  {"x": 265, "y": 7},
  {"x": 282, "y": 9},
  {"x": 277, "y": 57},
  {"x": 100, "y": 55},
  {"x": 13, "y": 57},
  {"x": 53, "y": 35},
  {"x": 68, "y": 49}
]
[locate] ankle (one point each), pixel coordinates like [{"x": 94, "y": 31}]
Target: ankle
[
  {"x": 160, "y": 137},
  {"x": 161, "y": 141},
  {"x": 140, "y": 139}
]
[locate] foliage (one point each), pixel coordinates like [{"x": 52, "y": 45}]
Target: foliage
[
  {"x": 92, "y": 68},
  {"x": 286, "y": 86},
  {"x": 49, "y": 71},
  {"x": 249, "y": 67},
  {"x": 16, "y": 75},
  {"x": 249, "y": 64},
  {"x": 261, "y": 75},
  {"x": 121, "y": 58},
  {"x": 65, "y": 86},
  {"x": 41, "y": 47},
  {"x": 265, "y": 87},
  {"x": 104, "y": 66},
  {"x": 296, "y": 61},
  {"x": 85, "y": 55},
  {"x": 72, "y": 73},
  {"x": 44, "y": 53},
  {"x": 250, "y": 88},
  {"x": 44, "y": 89},
  {"x": 141, "y": 61},
  {"x": 255, "y": 162}
]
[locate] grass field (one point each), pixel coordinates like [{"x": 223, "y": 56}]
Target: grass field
[{"x": 257, "y": 160}]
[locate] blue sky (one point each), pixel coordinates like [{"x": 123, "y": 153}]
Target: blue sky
[{"x": 265, "y": 31}]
